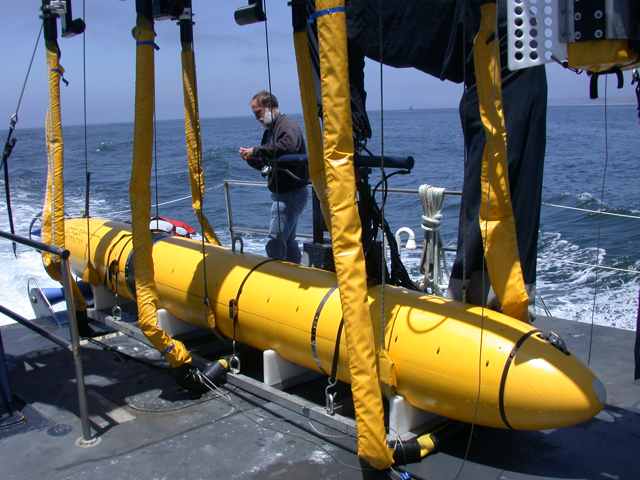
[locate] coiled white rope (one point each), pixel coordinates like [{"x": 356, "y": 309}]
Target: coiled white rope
[{"x": 433, "y": 262}]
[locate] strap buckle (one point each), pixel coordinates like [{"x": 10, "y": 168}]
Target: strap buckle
[
  {"x": 234, "y": 364},
  {"x": 330, "y": 397},
  {"x": 233, "y": 310},
  {"x": 237, "y": 239}
]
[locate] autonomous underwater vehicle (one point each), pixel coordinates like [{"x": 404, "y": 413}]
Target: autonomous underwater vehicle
[{"x": 430, "y": 354}]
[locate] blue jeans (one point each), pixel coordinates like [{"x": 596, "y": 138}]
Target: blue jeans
[{"x": 285, "y": 211}]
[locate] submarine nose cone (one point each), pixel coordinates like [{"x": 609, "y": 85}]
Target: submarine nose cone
[{"x": 547, "y": 388}]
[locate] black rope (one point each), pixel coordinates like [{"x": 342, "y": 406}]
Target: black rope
[
  {"x": 382, "y": 221},
  {"x": 233, "y": 303},
  {"x": 336, "y": 352},
  {"x": 86, "y": 148},
  {"x": 24, "y": 84},
  {"x": 314, "y": 327},
  {"x": 10, "y": 142},
  {"x": 155, "y": 157},
  {"x": 205, "y": 283},
  {"x": 275, "y": 170},
  {"x": 599, "y": 227},
  {"x": 505, "y": 372},
  {"x": 463, "y": 201}
]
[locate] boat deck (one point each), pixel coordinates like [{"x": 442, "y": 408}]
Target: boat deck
[{"x": 149, "y": 428}]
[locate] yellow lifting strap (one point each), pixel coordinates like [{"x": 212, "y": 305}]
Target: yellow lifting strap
[
  {"x": 140, "y": 197},
  {"x": 53, "y": 208},
  {"x": 497, "y": 223},
  {"x": 311, "y": 122},
  {"x": 194, "y": 140},
  {"x": 601, "y": 55},
  {"x": 346, "y": 233}
]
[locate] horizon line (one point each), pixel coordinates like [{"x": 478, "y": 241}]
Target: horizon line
[{"x": 551, "y": 103}]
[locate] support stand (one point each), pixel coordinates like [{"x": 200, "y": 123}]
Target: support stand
[
  {"x": 171, "y": 325},
  {"x": 103, "y": 298},
  {"x": 280, "y": 373},
  {"x": 406, "y": 421}
]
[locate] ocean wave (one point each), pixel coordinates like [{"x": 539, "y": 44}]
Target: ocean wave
[
  {"x": 105, "y": 147},
  {"x": 573, "y": 287},
  {"x": 588, "y": 201}
]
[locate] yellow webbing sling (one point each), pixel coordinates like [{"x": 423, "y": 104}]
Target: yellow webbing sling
[
  {"x": 194, "y": 140},
  {"x": 53, "y": 208},
  {"x": 311, "y": 122},
  {"x": 140, "y": 197},
  {"x": 601, "y": 55},
  {"x": 497, "y": 224},
  {"x": 346, "y": 233}
]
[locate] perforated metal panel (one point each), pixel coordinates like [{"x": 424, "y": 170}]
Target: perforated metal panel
[{"x": 536, "y": 32}]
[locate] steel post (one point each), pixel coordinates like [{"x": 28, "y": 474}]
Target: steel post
[{"x": 87, "y": 437}]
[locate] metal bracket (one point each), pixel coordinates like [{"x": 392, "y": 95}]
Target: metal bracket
[
  {"x": 281, "y": 373},
  {"x": 537, "y": 32},
  {"x": 237, "y": 239},
  {"x": 405, "y": 419}
]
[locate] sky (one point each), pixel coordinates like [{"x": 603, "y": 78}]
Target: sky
[{"x": 231, "y": 65}]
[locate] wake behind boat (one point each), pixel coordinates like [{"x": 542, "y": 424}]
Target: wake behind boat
[{"x": 406, "y": 355}]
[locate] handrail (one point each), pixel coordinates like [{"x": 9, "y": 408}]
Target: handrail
[
  {"x": 587, "y": 210},
  {"x": 411, "y": 191},
  {"x": 264, "y": 231},
  {"x": 61, "y": 342},
  {"x": 64, "y": 254},
  {"x": 74, "y": 346}
]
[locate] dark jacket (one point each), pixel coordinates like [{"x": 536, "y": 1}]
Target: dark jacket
[{"x": 283, "y": 137}]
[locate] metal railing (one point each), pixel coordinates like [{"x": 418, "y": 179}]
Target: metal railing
[
  {"x": 73, "y": 346},
  {"x": 235, "y": 229},
  {"x": 414, "y": 191}
]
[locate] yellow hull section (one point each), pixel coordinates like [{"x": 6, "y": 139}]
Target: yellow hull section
[{"x": 441, "y": 349}]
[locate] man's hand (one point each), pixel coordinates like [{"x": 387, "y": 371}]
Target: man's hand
[{"x": 246, "y": 152}]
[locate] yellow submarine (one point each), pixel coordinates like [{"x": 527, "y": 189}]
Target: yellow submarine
[
  {"x": 463, "y": 362},
  {"x": 439, "y": 347}
]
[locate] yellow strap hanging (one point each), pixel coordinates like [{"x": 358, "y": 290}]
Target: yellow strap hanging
[
  {"x": 601, "y": 55},
  {"x": 497, "y": 224},
  {"x": 194, "y": 140},
  {"x": 311, "y": 122},
  {"x": 140, "y": 198},
  {"x": 346, "y": 233},
  {"x": 53, "y": 208}
]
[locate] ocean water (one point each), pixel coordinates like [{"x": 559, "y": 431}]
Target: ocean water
[{"x": 571, "y": 241}]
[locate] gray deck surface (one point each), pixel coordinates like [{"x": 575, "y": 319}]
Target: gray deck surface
[{"x": 150, "y": 429}]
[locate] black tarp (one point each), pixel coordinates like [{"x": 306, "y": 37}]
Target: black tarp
[
  {"x": 436, "y": 37},
  {"x": 426, "y": 35},
  {"x": 524, "y": 95}
]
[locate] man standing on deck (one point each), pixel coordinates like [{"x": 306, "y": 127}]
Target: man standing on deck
[{"x": 288, "y": 185}]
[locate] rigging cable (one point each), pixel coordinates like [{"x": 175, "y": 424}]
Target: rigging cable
[
  {"x": 87, "y": 174},
  {"x": 464, "y": 283},
  {"x": 275, "y": 171},
  {"x": 383, "y": 259},
  {"x": 599, "y": 227},
  {"x": 155, "y": 158},
  {"x": 208, "y": 311},
  {"x": 11, "y": 141}
]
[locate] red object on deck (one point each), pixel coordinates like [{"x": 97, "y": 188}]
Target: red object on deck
[{"x": 177, "y": 224}]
